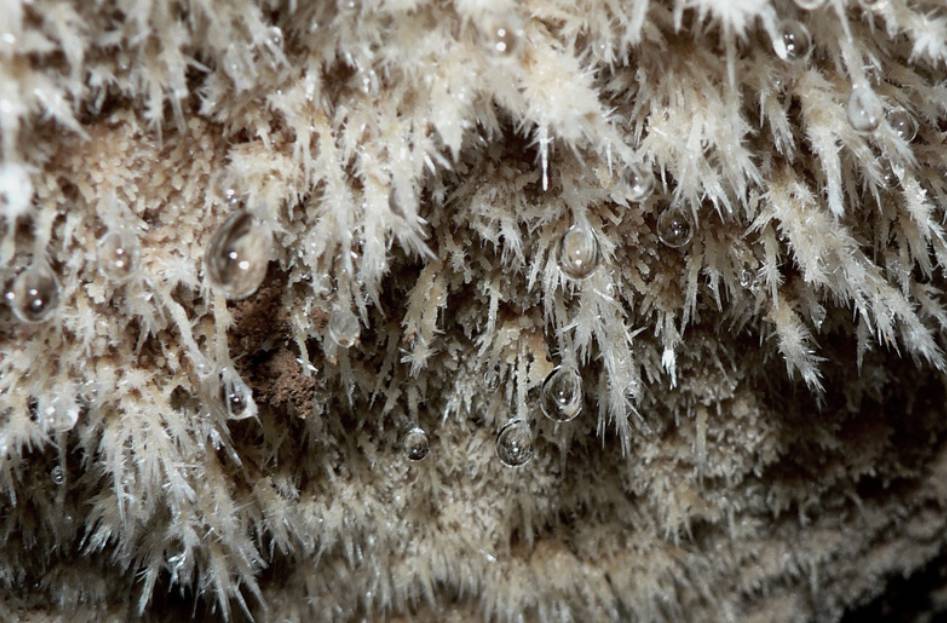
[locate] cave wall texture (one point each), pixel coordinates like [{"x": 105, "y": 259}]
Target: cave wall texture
[{"x": 454, "y": 310}]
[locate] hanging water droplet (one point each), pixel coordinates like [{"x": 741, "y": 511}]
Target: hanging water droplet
[
  {"x": 62, "y": 415},
  {"x": 810, "y": 5},
  {"x": 275, "y": 36},
  {"x": 34, "y": 295},
  {"x": 503, "y": 39},
  {"x": 236, "y": 396},
  {"x": 514, "y": 445},
  {"x": 903, "y": 124},
  {"x": 578, "y": 252},
  {"x": 864, "y": 110},
  {"x": 237, "y": 255},
  {"x": 796, "y": 39},
  {"x": 561, "y": 394},
  {"x": 119, "y": 252},
  {"x": 818, "y": 316},
  {"x": 675, "y": 228},
  {"x": 416, "y": 444},
  {"x": 57, "y": 475},
  {"x": 640, "y": 183},
  {"x": 368, "y": 82},
  {"x": 344, "y": 328},
  {"x": 889, "y": 179},
  {"x": 747, "y": 278}
]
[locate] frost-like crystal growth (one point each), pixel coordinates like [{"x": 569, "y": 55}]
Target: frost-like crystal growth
[{"x": 248, "y": 244}]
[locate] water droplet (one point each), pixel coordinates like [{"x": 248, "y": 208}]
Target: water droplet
[
  {"x": 578, "y": 252},
  {"x": 747, "y": 278},
  {"x": 515, "y": 443},
  {"x": 864, "y": 110},
  {"x": 57, "y": 475},
  {"x": 903, "y": 124},
  {"x": 347, "y": 6},
  {"x": 872, "y": 5},
  {"x": 818, "y": 316},
  {"x": 344, "y": 328},
  {"x": 810, "y": 5},
  {"x": 35, "y": 294},
  {"x": 797, "y": 40},
  {"x": 640, "y": 183},
  {"x": 416, "y": 444},
  {"x": 368, "y": 82},
  {"x": 889, "y": 179},
  {"x": 275, "y": 36},
  {"x": 236, "y": 396},
  {"x": 62, "y": 415},
  {"x": 504, "y": 39},
  {"x": 675, "y": 228},
  {"x": 237, "y": 255},
  {"x": 119, "y": 252},
  {"x": 561, "y": 394}
]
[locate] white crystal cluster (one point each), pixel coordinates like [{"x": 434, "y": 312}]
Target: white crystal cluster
[{"x": 482, "y": 308}]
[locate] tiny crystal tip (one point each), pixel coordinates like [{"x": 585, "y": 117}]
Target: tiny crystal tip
[
  {"x": 903, "y": 124},
  {"x": 578, "y": 252},
  {"x": 561, "y": 394},
  {"x": 238, "y": 255},
  {"x": 514, "y": 444},
  {"x": 640, "y": 183},
  {"x": 864, "y": 110},
  {"x": 34, "y": 295},
  {"x": 796, "y": 39},
  {"x": 119, "y": 253},
  {"x": 675, "y": 228},
  {"x": 416, "y": 444}
]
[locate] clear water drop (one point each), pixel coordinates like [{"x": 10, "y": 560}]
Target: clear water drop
[
  {"x": 864, "y": 110},
  {"x": 368, "y": 82},
  {"x": 578, "y": 252},
  {"x": 675, "y": 228},
  {"x": 503, "y": 40},
  {"x": 275, "y": 36},
  {"x": 810, "y": 5},
  {"x": 640, "y": 183},
  {"x": 344, "y": 328},
  {"x": 236, "y": 397},
  {"x": 514, "y": 444},
  {"x": 238, "y": 255},
  {"x": 796, "y": 39},
  {"x": 416, "y": 444},
  {"x": 119, "y": 253},
  {"x": 748, "y": 278},
  {"x": 57, "y": 475},
  {"x": 65, "y": 416},
  {"x": 889, "y": 179},
  {"x": 561, "y": 394},
  {"x": 35, "y": 294},
  {"x": 903, "y": 124},
  {"x": 818, "y": 316}
]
